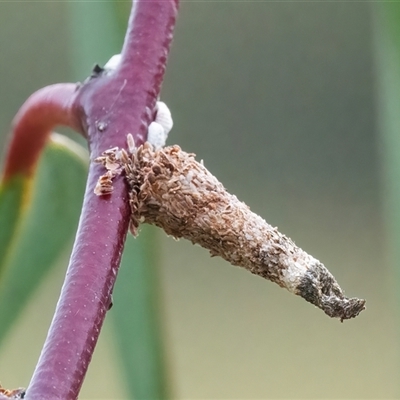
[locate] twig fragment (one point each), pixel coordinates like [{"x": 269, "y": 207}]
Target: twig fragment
[
  {"x": 170, "y": 189},
  {"x": 110, "y": 159}
]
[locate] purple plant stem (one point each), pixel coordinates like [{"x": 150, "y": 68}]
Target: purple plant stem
[
  {"x": 44, "y": 109},
  {"x": 110, "y": 106}
]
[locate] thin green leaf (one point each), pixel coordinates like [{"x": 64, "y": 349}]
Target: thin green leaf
[
  {"x": 11, "y": 194},
  {"x": 38, "y": 232},
  {"x": 387, "y": 51},
  {"x": 136, "y": 314},
  {"x": 94, "y": 34}
]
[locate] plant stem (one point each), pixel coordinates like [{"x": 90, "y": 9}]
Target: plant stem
[
  {"x": 110, "y": 107},
  {"x": 42, "y": 111}
]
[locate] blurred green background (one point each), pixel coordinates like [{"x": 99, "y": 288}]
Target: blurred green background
[{"x": 281, "y": 102}]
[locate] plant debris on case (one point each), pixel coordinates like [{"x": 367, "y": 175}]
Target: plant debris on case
[
  {"x": 170, "y": 189},
  {"x": 11, "y": 394}
]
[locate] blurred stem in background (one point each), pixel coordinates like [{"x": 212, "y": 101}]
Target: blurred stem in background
[
  {"x": 97, "y": 31},
  {"x": 387, "y": 56}
]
